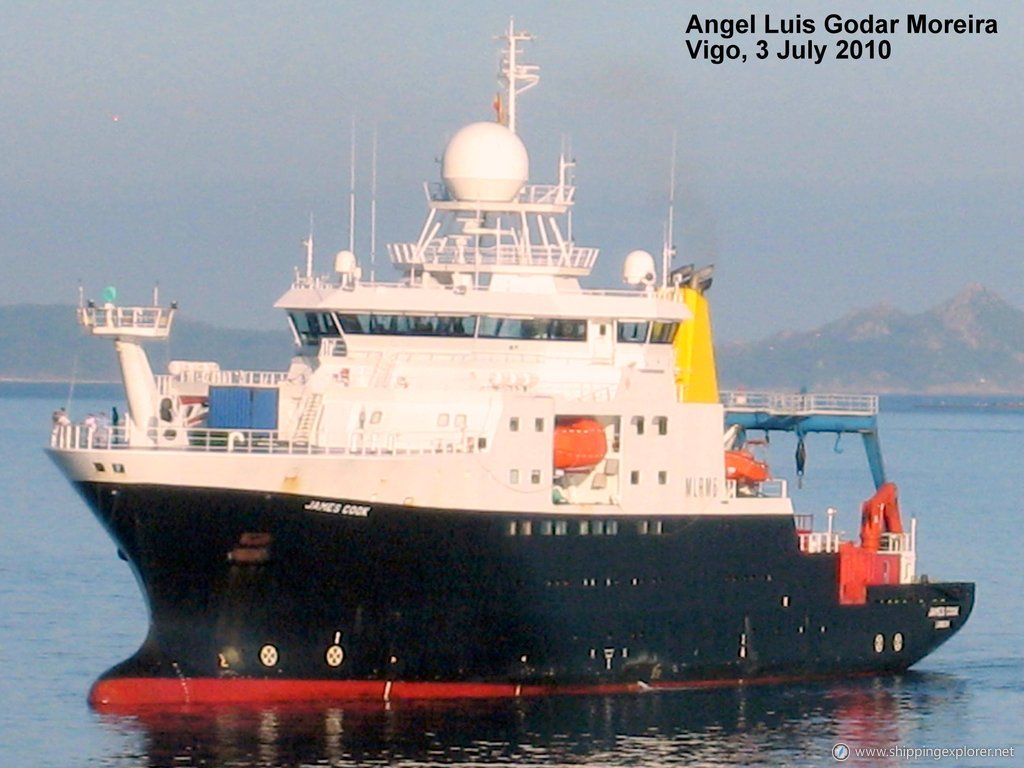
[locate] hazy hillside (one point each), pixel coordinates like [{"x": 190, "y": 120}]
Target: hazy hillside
[
  {"x": 973, "y": 342},
  {"x": 44, "y": 342}
]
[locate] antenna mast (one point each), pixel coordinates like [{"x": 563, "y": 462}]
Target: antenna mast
[
  {"x": 352, "y": 190},
  {"x": 373, "y": 211},
  {"x": 308, "y": 242},
  {"x": 668, "y": 250},
  {"x": 512, "y": 73}
]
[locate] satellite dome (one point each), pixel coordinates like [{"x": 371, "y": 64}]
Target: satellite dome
[
  {"x": 485, "y": 162},
  {"x": 638, "y": 268}
]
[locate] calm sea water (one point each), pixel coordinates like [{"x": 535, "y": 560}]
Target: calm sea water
[{"x": 69, "y": 609}]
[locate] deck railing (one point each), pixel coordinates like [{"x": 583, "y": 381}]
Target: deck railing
[
  {"x": 165, "y": 382},
  {"x": 800, "y": 403},
  {"x": 452, "y": 252},
  {"x": 814, "y": 542},
  {"x": 79, "y": 437}
]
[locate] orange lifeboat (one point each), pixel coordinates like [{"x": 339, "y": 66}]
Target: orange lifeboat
[
  {"x": 742, "y": 467},
  {"x": 580, "y": 443}
]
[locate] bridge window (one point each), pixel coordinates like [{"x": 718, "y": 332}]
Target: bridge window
[
  {"x": 409, "y": 325},
  {"x": 663, "y": 332},
  {"x": 568, "y": 330},
  {"x": 633, "y": 332},
  {"x": 354, "y": 323},
  {"x": 555, "y": 329},
  {"x": 313, "y": 326}
]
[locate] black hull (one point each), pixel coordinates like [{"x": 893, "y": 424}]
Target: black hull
[{"x": 261, "y": 587}]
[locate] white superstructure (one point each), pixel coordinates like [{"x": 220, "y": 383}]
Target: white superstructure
[{"x": 453, "y": 387}]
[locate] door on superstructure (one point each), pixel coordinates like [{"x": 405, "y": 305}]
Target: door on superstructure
[{"x": 602, "y": 341}]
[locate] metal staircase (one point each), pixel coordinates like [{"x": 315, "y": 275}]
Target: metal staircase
[{"x": 309, "y": 419}]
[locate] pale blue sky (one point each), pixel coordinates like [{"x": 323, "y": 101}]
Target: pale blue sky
[{"x": 188, "y": 143}]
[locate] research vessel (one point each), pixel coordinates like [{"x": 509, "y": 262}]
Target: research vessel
[{"x": 482, "y": 479}]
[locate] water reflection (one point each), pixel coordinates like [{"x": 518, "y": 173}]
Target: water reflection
[{"x": 752, "y": 726}]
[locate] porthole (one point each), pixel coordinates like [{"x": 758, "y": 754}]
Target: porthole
[
  {"x": 897, "y": 642},
  {"x": 334, "y": 656},
  {"x": 268, "y": 655},
  {"x": 879, "y": 643}
]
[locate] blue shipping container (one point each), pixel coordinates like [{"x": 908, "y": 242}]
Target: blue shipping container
[
  {"x": 264, "y": 409},
  {"x": 242, "y": 408}
]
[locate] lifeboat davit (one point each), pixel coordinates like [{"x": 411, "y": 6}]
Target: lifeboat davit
[
  {"x": 742, "y": 467},
  {"x": 580, "y": 443},
  {"x": 880, "y": 514}
]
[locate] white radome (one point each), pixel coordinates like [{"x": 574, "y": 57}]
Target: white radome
[
  {"x": 485, "y": 162},
  {"x": 638, "y": 268}
]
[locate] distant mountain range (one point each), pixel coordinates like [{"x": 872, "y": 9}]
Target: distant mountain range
[{"x": 971, "y": 343}]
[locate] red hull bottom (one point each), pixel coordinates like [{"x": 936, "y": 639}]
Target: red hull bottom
[{"x": 129, "y": 692}]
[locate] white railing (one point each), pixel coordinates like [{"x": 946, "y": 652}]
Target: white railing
[
  {"x": 896, "y": 543},
  {"x": 455, "y": 252},
  {"x": 815, "y": 542},
  {"x": 78, "y": 437},
  {"x": 125, "y": 317},
  {"x": 165, "y": 382},
  {"x": 767, "y": 489},
  {"x": 798, "y": 403},
  {"x": 542, "y": 194}
]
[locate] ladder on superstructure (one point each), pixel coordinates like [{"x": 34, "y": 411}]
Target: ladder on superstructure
[{"x": 309, "y": 418}]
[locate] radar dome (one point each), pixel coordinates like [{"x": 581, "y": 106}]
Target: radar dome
[
  {"x": 638, "y": 268},
  {"x": 485, "y": 162}
]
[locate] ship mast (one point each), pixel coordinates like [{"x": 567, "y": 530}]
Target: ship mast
[
  {"x": 512, "y": 73},
  {"x": 668, "y": 248}
]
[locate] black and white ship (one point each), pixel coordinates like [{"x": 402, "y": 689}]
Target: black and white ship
[{"x": 480, "y": 480}]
